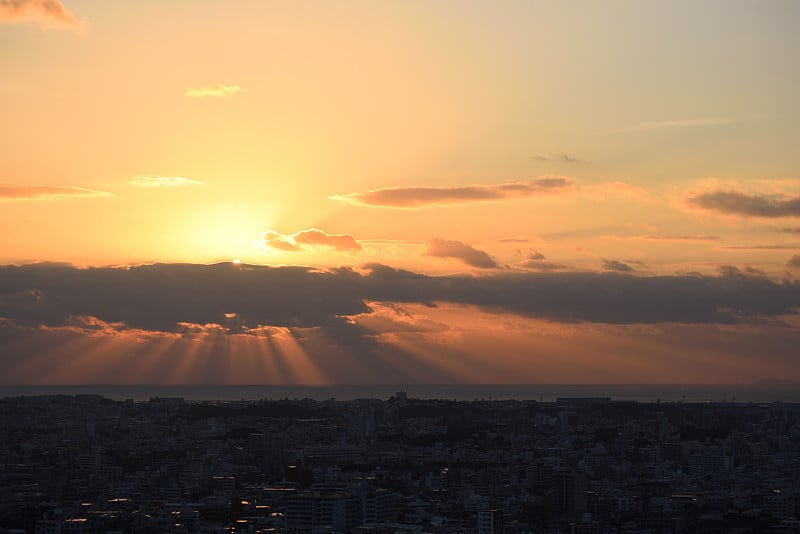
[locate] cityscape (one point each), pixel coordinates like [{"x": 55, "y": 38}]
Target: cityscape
[{"x": 86, "y": 463}]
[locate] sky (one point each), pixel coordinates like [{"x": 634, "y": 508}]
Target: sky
[{"x": 309, "y": 192}]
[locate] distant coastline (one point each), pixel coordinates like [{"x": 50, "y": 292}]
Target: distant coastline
[{"x": 764, "y": 391}]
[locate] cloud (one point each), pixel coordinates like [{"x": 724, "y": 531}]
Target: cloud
[
  {"x": 47, "y": 13},
  {"x": 417, "y": 197},
  {"x": 733, "y": 202},
  {"x": 731, "y": 271},
  {"x": 794, "y": 262},
  {"x": 535, "y": 255},
  {"x": 46, "y": 192},
  {"x": 513, "y": 240},
  {"x": 537, "y": 262},
  {"x": 790, "y": 230},
  {"x": 308, "y": 240},
  {"x": 682, "y": 237},
  {"x": 700, "y": 122},
  {"x": 278, "y": 241},
  {"x": 761, "y": 247},
  {"x": 294, "y": 325},
  {"x": 391, "y": 318},
  {"x": 218, "y": 90},
  {"x": 162, "y": 181},
  {"x": 162, "y": 297},
  {"x": 313, "y": 237},
  {"x": 679, "y": 238},
  {"x": 617, "y": 266},
  {"x": 442, "y": 248},
  {"x": 564, "y": 158}
]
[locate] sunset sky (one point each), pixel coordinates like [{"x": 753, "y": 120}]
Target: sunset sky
[{"x": 394, "y": 192}]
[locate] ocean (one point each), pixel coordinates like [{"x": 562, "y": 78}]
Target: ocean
[{"x": 760, "y": 392}]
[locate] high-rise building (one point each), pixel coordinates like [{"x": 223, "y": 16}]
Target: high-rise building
[{"x": 489, "y": 522}]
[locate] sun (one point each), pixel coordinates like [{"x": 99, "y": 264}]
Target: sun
[{"x": 237, "y": 262}]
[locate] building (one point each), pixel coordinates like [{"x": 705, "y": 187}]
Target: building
[{"x": 489, "y": 522}]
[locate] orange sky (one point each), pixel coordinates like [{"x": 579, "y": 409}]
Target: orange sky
[{"x": 526, "y": 141}]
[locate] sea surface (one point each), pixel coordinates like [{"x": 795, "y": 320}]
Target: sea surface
[{"x": 761, "y": 392}]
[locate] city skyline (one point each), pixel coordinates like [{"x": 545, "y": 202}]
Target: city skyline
[{"x": 371, "y": 192}]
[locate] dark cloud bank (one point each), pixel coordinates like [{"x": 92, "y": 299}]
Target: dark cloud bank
[{"x": 159, "y": 297}]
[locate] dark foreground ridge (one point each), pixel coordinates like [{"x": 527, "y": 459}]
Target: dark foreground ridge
[{"x": 84, "y": 463}]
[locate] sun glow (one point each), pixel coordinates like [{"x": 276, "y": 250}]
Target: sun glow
[{"x": 218, "y": 233}]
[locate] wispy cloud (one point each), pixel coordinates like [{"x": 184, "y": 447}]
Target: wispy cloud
[
  {"x": 762, "y": 247},
  {"x": 794, "y": 262},
  {"x": 443, "y": 248},
  {"x": 734, "y": 202},
  {"x": 162, "y": 181},
  {"x": 679, "y": 238},
  {"x": 418, "y": 197},
  {"x": 213, "y": 91},
  {"x": 682, "y": 237},
  {"x": 306, "y": 240},
  {"x": 699, "y": 122},
  {"x": 563, "y": 158},
  {"x": 47, "y": 13},
  {"x": 415, "y": 197},
  {"x": 46, "y": 192}
]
